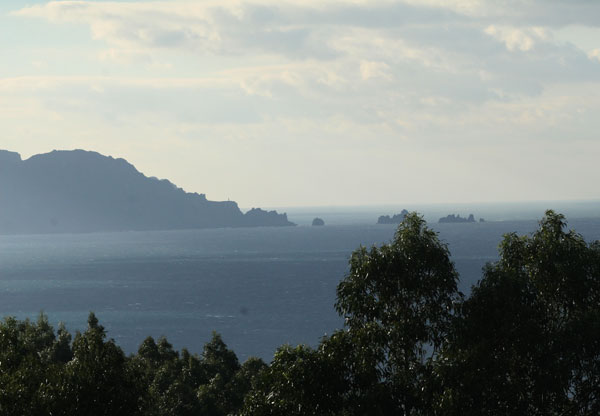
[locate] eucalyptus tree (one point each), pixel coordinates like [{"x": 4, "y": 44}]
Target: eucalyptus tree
[
  {"x": 527, "y": 341},
  {"x": 398, "y": 301}
]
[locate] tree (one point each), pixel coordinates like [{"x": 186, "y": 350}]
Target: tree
[
  {"x": 29, "y": 368},
  {"x": 96, "y": 380},
  {"x": 398, "y": 301},
  {"x": 300, "y": 381},
  {"x": 527, "y": 341},
  {"x": 188, "y": 384},
  {"x": 219, "y": 366}
]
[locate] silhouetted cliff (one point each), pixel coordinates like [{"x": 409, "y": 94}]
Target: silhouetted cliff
[{"x": 81, "y": 191}]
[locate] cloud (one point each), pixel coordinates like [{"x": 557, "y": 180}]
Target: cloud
[
  {"x": 365, "y": 78},
  {"x": 370, "y": 69},
  {"x": 303, "y": 29},
  {"x": 518, "y": 39},
  {"x": 461, "y": 52},
  {"x": 547, "y": 13},
  {"x": 450, "y": 35}
]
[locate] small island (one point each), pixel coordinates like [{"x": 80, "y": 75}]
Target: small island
[
  {"x": 318, "y": 222},
  {"x": 457, "y": 219},
  {"x": 396, "y": 219}
]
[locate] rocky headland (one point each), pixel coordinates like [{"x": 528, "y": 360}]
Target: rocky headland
[{"x": 82, "y": 191}]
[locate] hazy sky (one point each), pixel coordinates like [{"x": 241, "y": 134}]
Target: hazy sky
[{"x": 304, "y": 102}]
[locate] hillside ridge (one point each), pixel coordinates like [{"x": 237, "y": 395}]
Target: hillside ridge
[{"x": 84, "y": 191}]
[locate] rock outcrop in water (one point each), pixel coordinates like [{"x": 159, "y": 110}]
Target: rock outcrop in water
[
  {"x": 81, "y": 191},
  {"x": 396, "y": 219},
  {"x": 456, "y": 219},
  {"x": 318, "y": 222}
]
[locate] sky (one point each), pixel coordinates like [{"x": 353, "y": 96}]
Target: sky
[{"x": 309, "y": 103}]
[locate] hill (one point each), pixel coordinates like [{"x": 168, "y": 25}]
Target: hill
[{"x": 82, "y": 191}]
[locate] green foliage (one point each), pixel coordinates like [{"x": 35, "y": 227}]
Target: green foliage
[
  {"x": 187, "y": 384},
  {"x": 162, "y": 376},
  {"x": 398, "y": 301},
  {"x": 27, "y": 366},
  {"x": 527, "y": 341},
  {"x": 407, "y": 288},
  {"x": 299, "y": 381},
  {"x": 219, "y": 367},
  {"x": 43, "y": 373}
]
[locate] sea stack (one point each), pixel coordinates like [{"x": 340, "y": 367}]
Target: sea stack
[{"x": 318, "y": 222}]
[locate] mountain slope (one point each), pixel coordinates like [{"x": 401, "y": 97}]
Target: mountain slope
[{"x": 81, "y": 191}]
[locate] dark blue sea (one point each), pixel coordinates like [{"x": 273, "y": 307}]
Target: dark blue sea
[{"x": 259, "y": 287}]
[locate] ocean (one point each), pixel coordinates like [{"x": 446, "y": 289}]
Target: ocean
[{"x": 258, "y": 287}]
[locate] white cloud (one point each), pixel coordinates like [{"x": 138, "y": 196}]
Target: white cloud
[
  {"x": 518, "y": 39},
  {"x": 371, "y": 69},
  {"x": 394, "y": 52},
  {"x": 595, "y": 54}
]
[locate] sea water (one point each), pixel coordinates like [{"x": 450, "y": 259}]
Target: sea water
[{"x": 258, "y": 287}]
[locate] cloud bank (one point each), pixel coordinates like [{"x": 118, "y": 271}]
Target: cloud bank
[{"x": 434, "y": 87}]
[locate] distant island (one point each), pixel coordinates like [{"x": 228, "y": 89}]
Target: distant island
[
  {"x": 458, "y": 219},
  {"x": 318, "y": 222},
  {"x": 82, "y": 191},
  {"x": 396, "y": 219}
]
